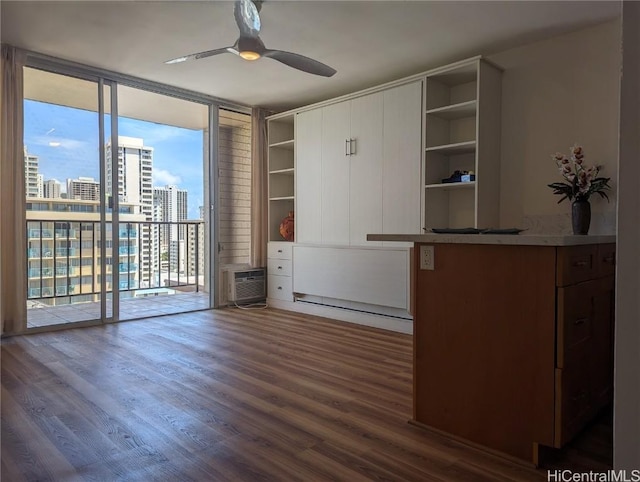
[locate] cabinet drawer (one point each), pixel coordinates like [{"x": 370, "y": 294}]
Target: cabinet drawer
[
  {"x": 575, "y": 319},
  {"x": 576, "y": 264},
  {"x": 279, "y": 287},
  {"x": 279, "y": 250},
  {"x": 606, "y": 259},
  {"x": 573, "y": 400},
  {"x": 280, "y": 267}
]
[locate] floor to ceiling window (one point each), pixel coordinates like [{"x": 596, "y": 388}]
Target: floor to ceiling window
[
  {"x": 120, "y": 209},
  {"x": 63, "y": 202},
  {"x": 162, "y": 178}
]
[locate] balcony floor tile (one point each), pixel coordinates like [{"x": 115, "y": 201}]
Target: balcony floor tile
[{"x": 130, "y": 308}]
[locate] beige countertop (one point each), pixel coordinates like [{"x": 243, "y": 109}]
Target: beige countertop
[{"x": 506, "y": 239}]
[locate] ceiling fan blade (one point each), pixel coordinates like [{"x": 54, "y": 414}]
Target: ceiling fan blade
[
  {"x": 200, "y": 55},
  {"x": 300, "y": 62},
  {"x": 247, "y": 18}
]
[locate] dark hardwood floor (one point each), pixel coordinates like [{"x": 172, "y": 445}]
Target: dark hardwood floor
[{"x": 223, "y": 395}]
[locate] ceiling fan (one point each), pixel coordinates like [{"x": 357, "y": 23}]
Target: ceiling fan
[{"x": 250, "y": 47}]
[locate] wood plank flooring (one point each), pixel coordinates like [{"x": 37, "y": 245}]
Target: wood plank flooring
[{"x": 223, "y": 395}]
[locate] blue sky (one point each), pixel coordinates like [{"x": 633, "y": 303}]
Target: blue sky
[{"x": 66, "y": 142}]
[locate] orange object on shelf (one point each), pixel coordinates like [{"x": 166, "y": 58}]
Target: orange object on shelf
[{"x": 286, "y": 227}]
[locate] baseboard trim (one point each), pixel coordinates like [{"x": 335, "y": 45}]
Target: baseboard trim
[
  {"x": 390, "y": 323},
  {"x": 475, "y": 445}
]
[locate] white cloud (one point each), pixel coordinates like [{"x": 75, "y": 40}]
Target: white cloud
[
  {"x": 71, "y": 144},
  {"x": 162, "y": 177}
]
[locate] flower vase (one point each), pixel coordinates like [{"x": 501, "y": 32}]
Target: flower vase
[{"x": 580, "y": 217}]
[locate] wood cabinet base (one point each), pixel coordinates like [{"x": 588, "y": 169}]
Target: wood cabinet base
[
  {"x": 483, "y": 448},
  {"x": 512, "y": 345}
]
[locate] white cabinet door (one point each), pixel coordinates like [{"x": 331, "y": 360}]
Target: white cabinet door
[
  {"x": 308, "y": 176},
  {"x": 365, "y": 163},
  {"x": 402, "y": 159},
  {"x": 335, "y": 173},
  {"x": 365, "y": 275}
]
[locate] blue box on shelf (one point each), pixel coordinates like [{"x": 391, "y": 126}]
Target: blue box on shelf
[{"x": 467, "y": 177}]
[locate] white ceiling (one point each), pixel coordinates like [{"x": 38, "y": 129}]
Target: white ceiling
[{"x": 368, "y": 42}]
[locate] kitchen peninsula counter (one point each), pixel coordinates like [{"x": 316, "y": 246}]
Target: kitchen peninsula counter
[
  {"x": 513, "y": 336},
  {"x": 506, "y": 239}
]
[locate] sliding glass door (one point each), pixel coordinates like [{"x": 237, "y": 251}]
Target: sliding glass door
[
  {"x": 118, "y": 201},
  {"x": 65, "y": 205},
  {"x": 160, "y": 166},
  {"x": 137, "y": 196}
]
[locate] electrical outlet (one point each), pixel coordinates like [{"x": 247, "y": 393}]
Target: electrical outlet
[{"x": 426, "y": 257}]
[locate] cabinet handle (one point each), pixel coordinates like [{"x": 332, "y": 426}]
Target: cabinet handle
[
  {"x": 279, "y": 251},
  {"x": 352, "y": 147},
  {"x": 580, "y": 263},
  {"x": 609, "y": 260},
  {"x": 279, "y": 267},
  {"x": 280, "y": 287},
  {"x": 347, "y": 147},
  {"x": 580, "y": 321}
]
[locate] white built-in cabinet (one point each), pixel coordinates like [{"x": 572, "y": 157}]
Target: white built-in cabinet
[
  {"x": 281, "y": 190},
  {"x": 358, "y": 165},
  {"x": 374, "y": 162},
  {"x": 281, "y": 168},
  {"x": 279, "y": 270},
  {"x": 462, "y": 132},
  {"x": 309, "y": 176},
  {"x": 358, "y": 171}
]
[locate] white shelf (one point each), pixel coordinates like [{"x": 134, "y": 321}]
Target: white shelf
[
  {"x": 451, "y": 185},
  {"x": 452, "y": 149},
  {"x": 288, "y": 144},
  {"x": 455, "y": 111},
  {"x": 282, "y": 198},
  {"x": 288, "y": 171},
  {"x": 462, "y": 133}
]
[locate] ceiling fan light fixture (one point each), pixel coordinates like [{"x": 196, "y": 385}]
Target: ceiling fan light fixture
[
  {"x": 250, "y": 47},
  {"x": 249, "y": 55}
]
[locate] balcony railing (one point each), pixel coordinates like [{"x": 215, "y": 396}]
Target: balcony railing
[
  {"x": 128, "y": 267},
  {"x": 127, "y": 233},
  {"x": 65, "y": 251},
  {"x": 66, "y": 270},
  {"x": 63, "y": 233},
  {"x": 167, "y": 254},
  {"x": 39, "y": 233},
  {"x": 128, "y": 285}
]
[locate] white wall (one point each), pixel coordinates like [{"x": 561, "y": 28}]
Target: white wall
[
  {"x": 554, "y": 93},
  {"x": 626, "y": 441}
]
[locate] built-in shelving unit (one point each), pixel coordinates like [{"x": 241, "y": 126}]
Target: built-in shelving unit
[
  {"x": 462, "y": 133},
  {"x": 451, "y": 185},
  {"x": 281, "y": 141}
]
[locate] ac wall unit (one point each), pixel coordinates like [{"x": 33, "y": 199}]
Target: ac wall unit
[{"x": 246, "y": 285}]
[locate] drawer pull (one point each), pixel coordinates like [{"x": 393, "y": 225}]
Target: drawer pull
[
  {"x": 279, "y": 251},
  {"x": 581, "y": 321},
  {"x": 280, "y": 287},
  {"x": 580, "y": 264},
  {"x": 608, "y": 260},
  {"x": 279, "y": 267}
]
